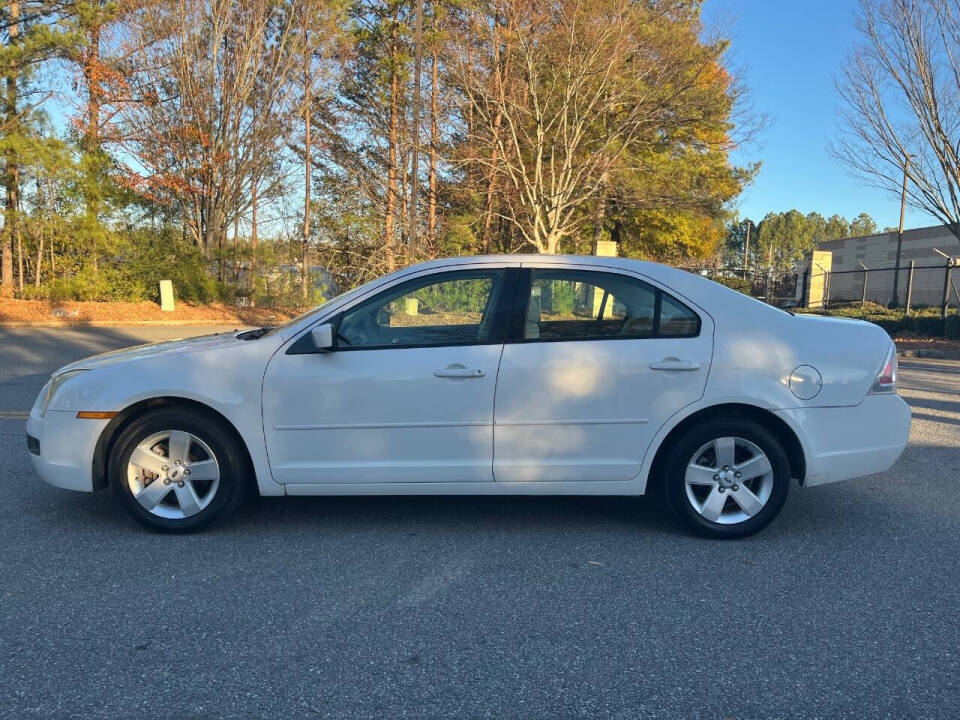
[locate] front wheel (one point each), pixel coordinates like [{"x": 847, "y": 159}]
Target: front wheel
[
  {"x": 727, "y": 478},
  {"x": 175, "y": 469}
]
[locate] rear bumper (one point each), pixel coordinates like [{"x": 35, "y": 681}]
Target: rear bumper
[
  {"x": 67, "y": 445},
  {"x": 841, "y": 443}
]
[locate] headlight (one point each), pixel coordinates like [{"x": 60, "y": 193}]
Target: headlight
[{"x": 55, "y": 384}]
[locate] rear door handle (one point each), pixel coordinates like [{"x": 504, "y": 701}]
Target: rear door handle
[
  {"x": 458, "y": 372},
  {"x": 673, "y": 364}
]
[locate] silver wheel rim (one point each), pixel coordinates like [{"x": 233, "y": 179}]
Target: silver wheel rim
[
  {"x": 173, "y": 474},
  {"x": 729, "y": 480}
]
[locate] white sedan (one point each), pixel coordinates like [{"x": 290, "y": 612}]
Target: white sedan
[{"x": 515, "y": 375}]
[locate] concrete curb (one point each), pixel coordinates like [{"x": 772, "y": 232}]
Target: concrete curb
[{"x": 930, "y": 354}]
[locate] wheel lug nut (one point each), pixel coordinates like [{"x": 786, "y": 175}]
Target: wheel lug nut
[
  {"x": 180, "y": 484},
  {"x": 716, "y": 477},
  {"x": 165, "y": 468},
  {"x": 166, "y": 481},
  {"x": 186, "y": 471},
  {"x": 726, "y": 467},
  {"x": 737, "y": 474},
  {"x": 723, "y": 490},
  {"x": 736, "y": 487}
]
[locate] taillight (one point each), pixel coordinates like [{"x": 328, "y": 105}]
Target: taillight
[{"x": 886, "y": 381}]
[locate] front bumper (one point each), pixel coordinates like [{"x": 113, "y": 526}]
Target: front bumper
[
  {"x": 841, "y": 443},
  {"x": 67, "y": 446}
]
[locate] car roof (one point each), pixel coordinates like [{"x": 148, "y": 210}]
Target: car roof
[{"x": 680, "y": 281}]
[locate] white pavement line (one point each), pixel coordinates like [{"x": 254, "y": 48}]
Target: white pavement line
[{"x": 13, "y": 415}]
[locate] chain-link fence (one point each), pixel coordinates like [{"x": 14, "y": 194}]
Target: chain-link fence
[{"x": 913, "y": 286}]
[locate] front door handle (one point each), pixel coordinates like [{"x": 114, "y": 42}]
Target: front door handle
[
  {"x": 674, "y": 364},
  {"x": 458, "y": 371}
]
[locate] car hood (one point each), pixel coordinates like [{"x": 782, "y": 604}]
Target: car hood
[{"x": 202, "y": 343}]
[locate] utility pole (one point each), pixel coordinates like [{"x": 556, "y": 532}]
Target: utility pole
[
  {"x": 414, "y": 158},
  {"x": 895, "y": 300}
]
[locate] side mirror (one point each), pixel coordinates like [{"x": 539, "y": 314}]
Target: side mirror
[{"x": 322, "y": 337}]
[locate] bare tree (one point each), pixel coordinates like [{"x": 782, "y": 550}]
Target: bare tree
[
  {"x": 576, "y": 86},
  {"x": 214, "y": 96},
  {"x": 901, "y": 91}
]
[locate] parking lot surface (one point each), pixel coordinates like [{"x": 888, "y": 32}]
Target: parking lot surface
[{"x": 846, "y": 607}]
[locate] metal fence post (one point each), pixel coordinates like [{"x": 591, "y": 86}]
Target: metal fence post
[
  {"x": 804, "y": 293},
  {"x": 910, "y": 285},
  {"x": 946, "y": 287},
  {"x": 863, "y": 295}
]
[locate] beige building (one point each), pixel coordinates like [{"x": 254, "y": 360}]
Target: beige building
[{"x": 878, "y": 253}]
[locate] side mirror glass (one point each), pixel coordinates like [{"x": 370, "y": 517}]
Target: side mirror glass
[{"x": 322, "y": 337}]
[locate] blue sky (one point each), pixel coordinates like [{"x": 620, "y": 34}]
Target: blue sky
[{"x": 789, "y": 53}]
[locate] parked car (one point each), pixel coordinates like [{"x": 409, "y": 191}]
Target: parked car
[{"x": 515, "y": 375}]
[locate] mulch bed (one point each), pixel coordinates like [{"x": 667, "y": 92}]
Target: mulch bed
[
  {"x": 42, "y": 312},
  {"x": 910, "y": 341}
]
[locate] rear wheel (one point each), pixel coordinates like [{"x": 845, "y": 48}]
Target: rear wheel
[
  {"x": 174, "y": 469},
  {"x": 727, "y": 478}
]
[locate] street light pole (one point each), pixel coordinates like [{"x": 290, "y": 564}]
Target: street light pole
[{"x": 895, "y": 300}]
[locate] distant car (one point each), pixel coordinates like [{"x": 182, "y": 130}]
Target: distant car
[{"x": 517, "y": 375}]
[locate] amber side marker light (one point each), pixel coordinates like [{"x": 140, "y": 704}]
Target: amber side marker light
[{"x": 95, "y": 415}]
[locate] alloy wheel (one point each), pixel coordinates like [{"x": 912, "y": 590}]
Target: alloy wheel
[
  {"x": 173, "y": 474},
  {"x": 728, "y": 480}
]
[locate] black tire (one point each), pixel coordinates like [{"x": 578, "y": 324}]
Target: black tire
[
  {"x": 680, "y": 456},
  {"x": 233, "y": 467}
]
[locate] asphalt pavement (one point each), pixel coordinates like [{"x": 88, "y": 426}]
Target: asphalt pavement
[{"x": 848, "y": 606}]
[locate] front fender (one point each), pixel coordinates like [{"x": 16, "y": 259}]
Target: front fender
[{"x": 229, "y": 383}]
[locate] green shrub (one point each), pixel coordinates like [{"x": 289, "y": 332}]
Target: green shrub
[
  {"x": 928, "y": 325},
  {"x": 951, "y": 327},
  {"x": 922, "y": 321},
  {"x": 739, "y": 284},
  {"x": 891, "y": 325}
]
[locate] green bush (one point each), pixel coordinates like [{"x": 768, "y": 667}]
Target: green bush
[
  {"x": 928, "y": 325},
  {"x": 951, "y": 327},
  {"x": 922, "y": 321},
  {"x": 739, "y": 284}
]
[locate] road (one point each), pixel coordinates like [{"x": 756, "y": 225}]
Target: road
[{"x": 846, "y": 607}]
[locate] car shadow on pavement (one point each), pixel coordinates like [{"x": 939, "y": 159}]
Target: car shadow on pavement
[{"x": 457, "y": 514}]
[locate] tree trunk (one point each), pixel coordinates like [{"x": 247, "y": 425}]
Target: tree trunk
[
  {"x": 91, "y": 139},
  {"x": 392, "y": 143},
  {"x": 415, "y": 145},
  {"x": 501, "y": 72},
  {"x": 11, "y": 178},
  {"x": 36, "y": 274},
  {"x": 308, "y": 80},
  {"x": 19, "y": 256},
  {"x": 253, "y": 244},
  {"x": 236, "y": 242},
  {"x": 434, "y": 142}
]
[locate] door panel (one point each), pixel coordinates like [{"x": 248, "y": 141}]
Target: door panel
[
  {"x": 586, "y": 409},
  {"x": 373, "y": 416},
  {"x": 407, "y": 395}
]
